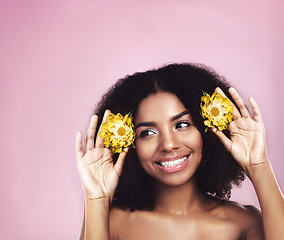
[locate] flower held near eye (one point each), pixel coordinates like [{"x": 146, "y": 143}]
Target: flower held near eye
[
  {"x": 216, "y": 110},
  {"x": 117, "y": 132}
]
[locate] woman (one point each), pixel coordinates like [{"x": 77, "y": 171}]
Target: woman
[{"x": 176, "y": 182}]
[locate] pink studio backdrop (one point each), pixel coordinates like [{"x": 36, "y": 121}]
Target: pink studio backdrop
[{"x": 57, "y": 57}]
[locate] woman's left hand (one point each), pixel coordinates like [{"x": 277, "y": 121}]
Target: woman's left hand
[{"x": 247, "y": 144}]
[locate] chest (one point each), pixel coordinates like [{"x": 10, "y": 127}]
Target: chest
[{"x": 180, "y": 228}]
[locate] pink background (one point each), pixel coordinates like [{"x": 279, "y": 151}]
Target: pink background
[{"x": 57, "y": 57}]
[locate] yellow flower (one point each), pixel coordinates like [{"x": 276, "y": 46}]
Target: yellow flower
[
  {"x": 216, "y": 110},
  {"x": 117, "y": 132}
]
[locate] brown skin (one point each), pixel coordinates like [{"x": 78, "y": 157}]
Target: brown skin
[
  {"x": 165, "y": 132},
  {"x": 226, "y": 221},
  {"x": 181, "y": 212}
]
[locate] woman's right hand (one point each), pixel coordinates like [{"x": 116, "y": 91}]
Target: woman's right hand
[{"x": 99, "y": 175}]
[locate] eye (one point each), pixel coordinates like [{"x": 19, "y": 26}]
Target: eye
[
  {"x": 145, "y": 133},
  {"x": 182, "y": 124}
]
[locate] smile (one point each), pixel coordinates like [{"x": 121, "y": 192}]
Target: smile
[
  {"x": 173, "y": 163},
  {"x": 169, "y": 166}
]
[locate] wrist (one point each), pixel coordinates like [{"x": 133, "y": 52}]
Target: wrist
[
  {"x": 103, "y": 202},
  {"x": 97, "y": 211},
  {"x": 257, "y": 170}
]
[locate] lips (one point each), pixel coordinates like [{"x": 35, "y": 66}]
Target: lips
[{"x": 169, "y": 165}]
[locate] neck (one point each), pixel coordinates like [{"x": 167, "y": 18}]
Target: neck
[{"x": 180, "y": 200}]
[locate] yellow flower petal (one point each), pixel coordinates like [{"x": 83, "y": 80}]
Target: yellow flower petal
[
  {"x": 118, "y": 132},
  {"x": 216, "y": 110}
]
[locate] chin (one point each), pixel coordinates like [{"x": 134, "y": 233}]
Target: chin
[{"x": 176, "y": 181}]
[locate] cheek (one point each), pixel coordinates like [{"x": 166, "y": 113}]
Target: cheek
[
  {"x": 145, "y": 150},
  {"x": 194, "y": 141},
  {"x": 199, "y": 143}
]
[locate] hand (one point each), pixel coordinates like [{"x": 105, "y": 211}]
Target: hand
[
  {"x": 247, "y": 144},
  {"x": 95, "y": 165}
]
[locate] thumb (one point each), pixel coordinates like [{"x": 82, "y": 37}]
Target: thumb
[
  {"x": 226, "y": 141},
  {"x": 120, "y": 161}
]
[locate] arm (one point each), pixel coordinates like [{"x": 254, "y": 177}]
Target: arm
[
  {"x": 248, "y": 147},
  {"x": 270, "y": 198},
  {"x": 99, "y": 177}
]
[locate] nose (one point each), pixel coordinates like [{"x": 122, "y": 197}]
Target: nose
[{"x": 168, "y": 141}]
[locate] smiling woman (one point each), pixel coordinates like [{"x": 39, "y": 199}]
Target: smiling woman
[
  {"x": 218, "y": 169},
  {"x": 175, "y": 182},
  {"x": 167, "y": 140}
]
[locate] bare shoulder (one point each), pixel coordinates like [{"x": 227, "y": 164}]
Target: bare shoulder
[
  {"x": 121, "y": 217},
  {"x": 119, "y": 220},
  {"x": 246, "y": 213},
  {"x": 126, "y": 224},
  {"x": 116, "y": 216},
  {"x": 248, "y": 217}
]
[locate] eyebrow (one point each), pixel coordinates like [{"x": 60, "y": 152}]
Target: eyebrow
[
  {"x": 145, "y": 124},
  {"x": 153, "y": 124},
  {"x": 179, "y": 115}
]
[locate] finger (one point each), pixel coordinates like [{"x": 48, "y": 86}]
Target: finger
[
  {"x": 226, "y": 141},
  {"x": 99, "y": 140},
  {"x": 255, "y": 109},
  {"x": 119, "y": 163},
  {"x": 78, "y": 146},
  {"x": 240, "y": 102},
  {"x": 91, "y": 133},
  {"x": 236, "y": 114}
]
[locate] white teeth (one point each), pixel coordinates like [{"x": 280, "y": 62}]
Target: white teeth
[{"x": 173, "y": 163}]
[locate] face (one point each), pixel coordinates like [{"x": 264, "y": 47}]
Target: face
[{"x": 168, "y": 145}]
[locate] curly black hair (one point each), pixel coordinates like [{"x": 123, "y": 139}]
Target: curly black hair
[{"x": 218, "y": 170}]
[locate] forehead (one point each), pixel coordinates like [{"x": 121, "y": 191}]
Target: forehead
[{"x": 159, "y": 105}]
